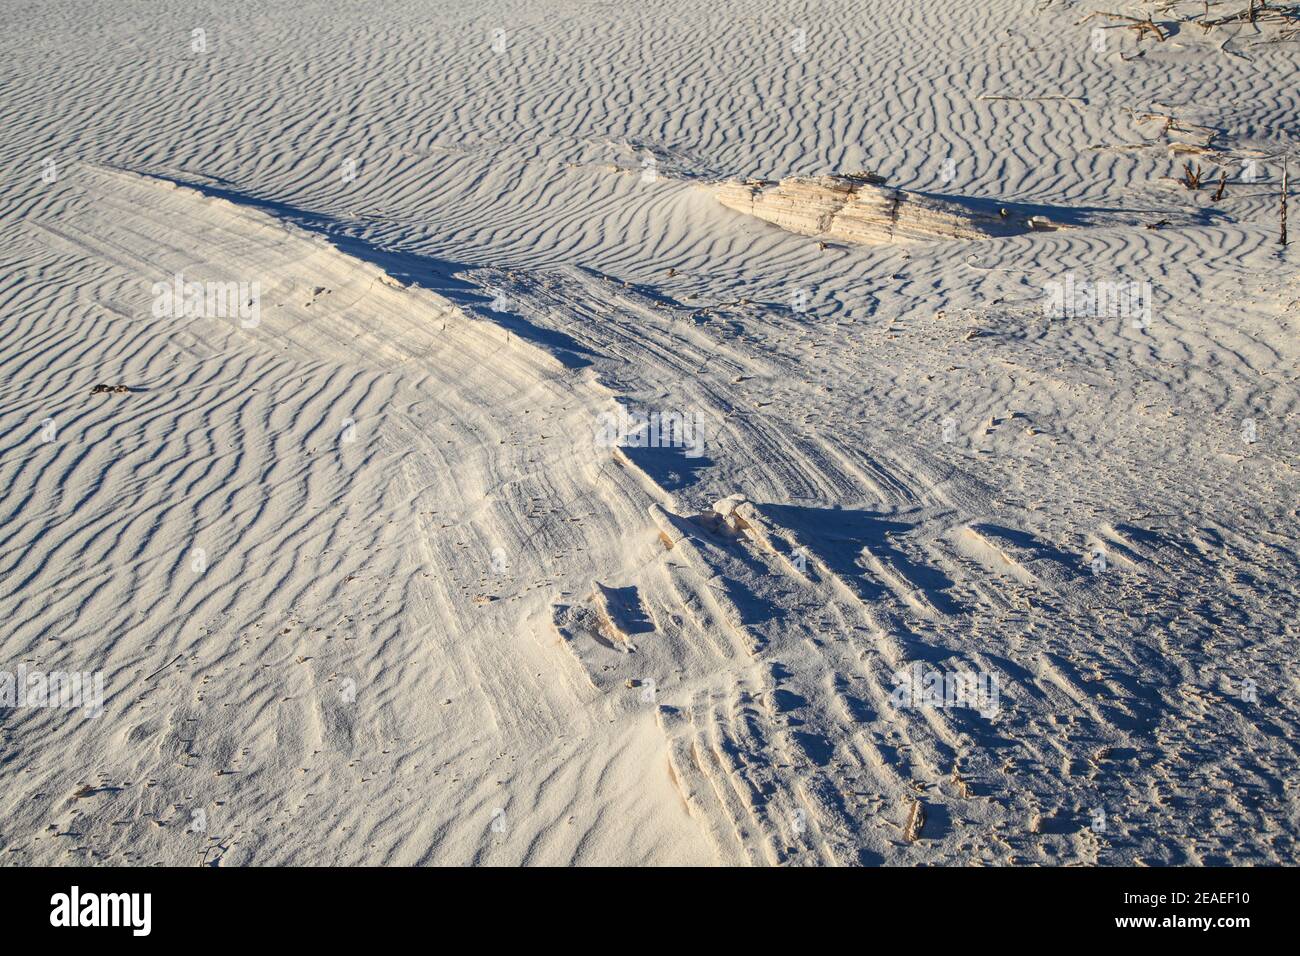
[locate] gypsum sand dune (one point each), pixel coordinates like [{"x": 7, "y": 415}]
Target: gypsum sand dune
[
  {"x": 648, "y": 676},
  {"x": 871, "y": 542},
  {"x": 277, "y": 544}
]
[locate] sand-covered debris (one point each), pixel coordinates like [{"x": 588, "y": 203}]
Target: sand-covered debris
[{"x": 862, "y": 208}]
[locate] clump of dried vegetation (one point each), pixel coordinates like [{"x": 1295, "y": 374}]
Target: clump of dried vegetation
[{"x": 1208, "y": 14}]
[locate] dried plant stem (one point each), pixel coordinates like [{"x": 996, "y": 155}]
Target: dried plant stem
[{"x": 1285, "y": 184}]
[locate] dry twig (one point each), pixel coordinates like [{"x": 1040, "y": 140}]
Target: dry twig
[
  {"x": 1285, "y": 185},
  {"x": 1223, "y": 185}
]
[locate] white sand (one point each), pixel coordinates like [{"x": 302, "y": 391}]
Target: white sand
[{"x": 364, "y": 586}]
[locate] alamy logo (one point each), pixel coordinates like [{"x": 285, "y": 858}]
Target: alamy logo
[
  {"x": 69, "y": 690},
  {"x": 635, "y": 429},
  {"x": 208, "y": 300},
  {"x": 103, "y": 909},
  {"x": 1085, "y": 299},
  {"x": 917, "y": 687}
]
